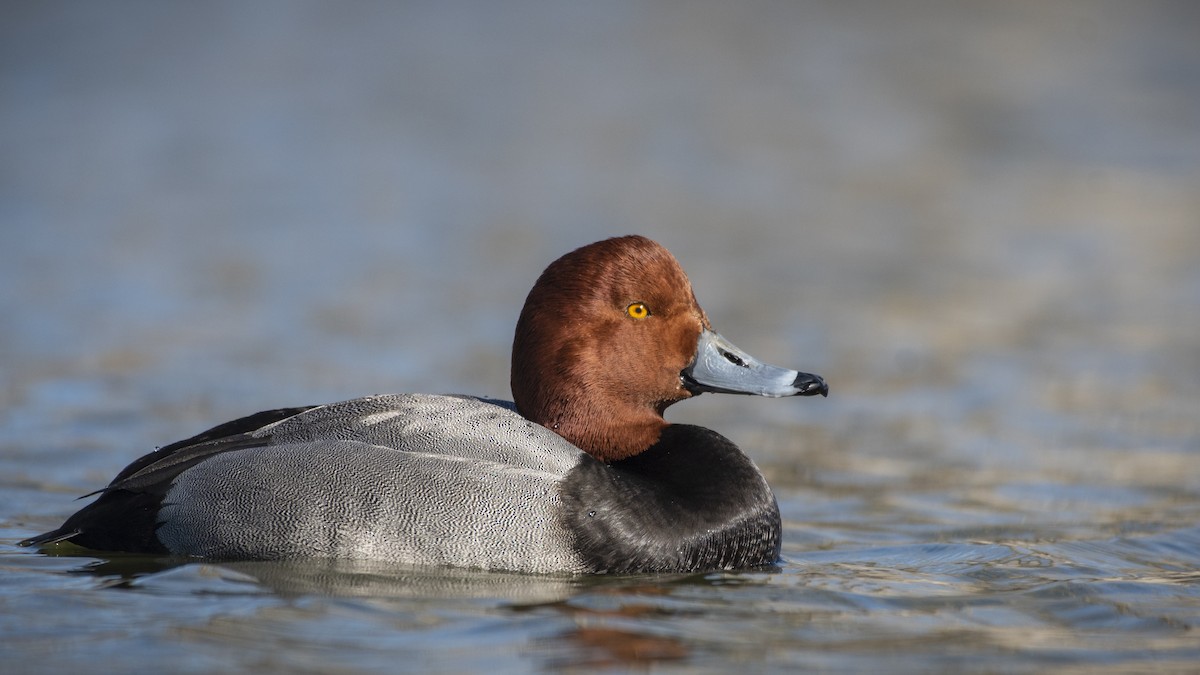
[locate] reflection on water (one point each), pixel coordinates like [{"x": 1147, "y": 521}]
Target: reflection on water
[
  {"x": 948, "y": 605},
  {"x": 342, "y": 578},
  {"x": 978, "y": 222}
]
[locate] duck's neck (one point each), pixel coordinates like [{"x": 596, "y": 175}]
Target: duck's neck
[{"x": 595, "y": 428}]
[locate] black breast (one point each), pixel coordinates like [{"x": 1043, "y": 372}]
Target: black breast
[{"x": 691, "y": 502}]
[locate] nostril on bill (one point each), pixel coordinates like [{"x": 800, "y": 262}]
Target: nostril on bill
[{"x": 733, "y": 358}]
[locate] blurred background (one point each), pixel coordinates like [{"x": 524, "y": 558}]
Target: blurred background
[
  {"x": 979, "y": 221},
  {"x": 983, "y": 211}
]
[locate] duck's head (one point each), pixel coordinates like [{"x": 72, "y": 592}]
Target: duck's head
[{"x": 611, "y": 334}]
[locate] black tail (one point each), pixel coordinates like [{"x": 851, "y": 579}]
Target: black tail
[
  {"x": 51, "y": 537},
  {"x": 125, "y": 516}
]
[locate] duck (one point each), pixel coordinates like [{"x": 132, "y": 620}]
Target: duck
[{"x": 579, "y": 474}]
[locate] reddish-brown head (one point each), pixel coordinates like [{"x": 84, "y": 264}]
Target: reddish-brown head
[
  {"x": 601, "y": 342},
  {"x": 611, "y": 335}
]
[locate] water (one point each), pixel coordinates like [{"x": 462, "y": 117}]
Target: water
[{"x": 979, "y": 222}]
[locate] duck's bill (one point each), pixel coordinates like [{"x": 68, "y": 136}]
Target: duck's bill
[{"x": 721, "y": 367}]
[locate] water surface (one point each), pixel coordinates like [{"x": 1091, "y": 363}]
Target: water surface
[{"x": 979, "y": 222}]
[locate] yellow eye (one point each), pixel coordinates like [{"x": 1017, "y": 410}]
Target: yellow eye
[{"x": 638, "y": 310}]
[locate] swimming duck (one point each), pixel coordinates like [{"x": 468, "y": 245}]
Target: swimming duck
[{"x": 580, "y": 473}]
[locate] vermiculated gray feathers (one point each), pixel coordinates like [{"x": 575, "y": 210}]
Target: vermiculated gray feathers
[{"x": 409, "y": 478}]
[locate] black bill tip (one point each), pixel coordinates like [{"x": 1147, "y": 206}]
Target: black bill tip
[{"x": 807, "y": 384}]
